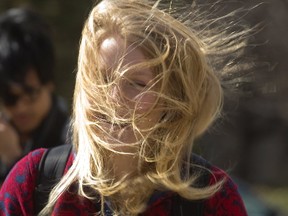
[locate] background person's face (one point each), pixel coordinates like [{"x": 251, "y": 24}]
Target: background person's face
[
  {"x": 130, "y": 92},
  {"x": 28, "y": 111}
]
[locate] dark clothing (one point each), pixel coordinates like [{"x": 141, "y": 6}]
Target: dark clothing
[
  {"x": 16, "y": 195},
  {"x": 51, "y": 132}
]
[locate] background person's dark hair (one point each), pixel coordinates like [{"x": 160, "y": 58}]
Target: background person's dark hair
[{"x": 25, "y": 43}]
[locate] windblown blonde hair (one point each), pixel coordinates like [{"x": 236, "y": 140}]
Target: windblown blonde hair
[{"x": 188, "y": 90}]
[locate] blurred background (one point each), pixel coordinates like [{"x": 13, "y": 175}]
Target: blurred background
[
  {"x": 251, "y": 140},
  {"x": 66, "y": 19}
]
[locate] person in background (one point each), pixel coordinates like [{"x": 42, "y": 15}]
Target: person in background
[
  {"x": 31, "y": 115},
  {"x": 145, "y": 90}
]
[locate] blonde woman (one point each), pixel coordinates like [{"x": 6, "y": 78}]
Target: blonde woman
[{"x": 144, "y": 91}]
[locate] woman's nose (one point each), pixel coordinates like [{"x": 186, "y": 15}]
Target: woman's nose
[{"x": 121, "y": 102}]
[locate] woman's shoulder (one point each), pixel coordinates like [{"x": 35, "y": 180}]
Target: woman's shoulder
[
  {"x": 16, "y": 194},
  {"x": 26, "y": 167},
  {"x": 24, "y": 170},
  {"x": 17, "y": 191},
  {"x": 227, "y": 199}
]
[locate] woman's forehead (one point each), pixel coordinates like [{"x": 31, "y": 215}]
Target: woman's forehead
[{"x": 114, "y": 51}]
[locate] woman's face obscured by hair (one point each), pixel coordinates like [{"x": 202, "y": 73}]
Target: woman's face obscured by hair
[{"x": 131, "y": 89}]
